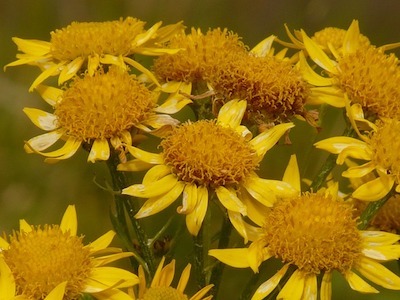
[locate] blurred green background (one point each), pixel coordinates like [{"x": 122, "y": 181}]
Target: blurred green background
[{"x": 40, "y": 192}]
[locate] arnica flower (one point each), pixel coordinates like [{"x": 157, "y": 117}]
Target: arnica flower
[
  {"x": 272, "y": 86},
  {"x": 94, "y": 44},
  {"x": 192, "y": 66},
  {"x": 97, "y": 111},
  {"x": 51, "y": 262},
  {"x": 161, "y": 289},
  {"x": 366, "y": 74},
  {"x": 315, "y": 234},
  {"x": 203, "y": 157},
  {"x": 379, "y": 148}
]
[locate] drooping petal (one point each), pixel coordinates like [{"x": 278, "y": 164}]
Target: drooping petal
[
  {"x": 43, "y": 141},
  {"x": 267, "y": 139},
  {"x": 69, "y": 221},
  {"x": 151, "y": 158},
  {"x": 239, "y": 224},
  {"x": 194, "y": 220},
  {"x": 359, "y": 171},
  {"x": 100, "y": 150},
  {"x": 66, "y": 151},
  {"x": 375, "y": 189},
  {"x": 102, "y": 278},
  {"x": 309, "y": 74},
  {"x": 294, "y": 287},
  {"x": 256, "y": 188},
  {"x": 112, "y": 294},
  {"x": 330, "y": 95},
  {"x": 326, "y": 286},
  {"x": 134, "y": 165},
  {"x": 268, "y": 286},
  {"x": 156, "y": 173},
  {"x": 235, "y": 257},
  {"x": 152, "y": 189},
  {"x": 231, "y": 113},
  {"x": 43, "y": 120},
  {"x": 256, "y": 211},
  {"x": 229, "y": 199},
  {"x": 58, "y": 292},
  {"x": 382, "y": 253},
  {"x": 50, "y": 94},
  {"x": 378, "y": 274},
  {"x": 359, "y": 284},
  {"x": 53, "y": 70},
  {"x": 70, "y": 70},
  {"x": 160, "y": 202},
  {"x": 310, "y": 287},
  {"x": 160, "y": 120},
  {"x": 189, "y": 199},
  {"x": 142, "y": 69}
]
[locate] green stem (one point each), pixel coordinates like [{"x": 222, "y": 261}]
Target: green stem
[
  {"x": 324, "y": 172},
  {"x": 124, "y": 206},
  {"x": 371, "y": 210},
  {"x": 250, "y": 287},
  {"x": 199, "y": 258}
]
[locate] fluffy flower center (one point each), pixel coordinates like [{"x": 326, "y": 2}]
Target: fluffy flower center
[
  {"x": 45, "y": 257},
  {"x": 83, "y": 39},
  {"x": 201, "y": 52},
  {"x": 385, "y": 145},
  {"x": 313, "y": 232},
  {"x": 209, "y": 154},
  {"x": 273, "y": 88},
  {"x": 103, "y": 105},
  {"x": 372, "y": 78},
  {"x": 335, "y": 37},
  {"x": 163, "y": 293}
]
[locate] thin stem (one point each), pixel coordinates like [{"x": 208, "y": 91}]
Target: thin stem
[
  {"x": 199, "y": 258},
  {"x": 324, "y": 172},
  {"x": 124, "y": 206},
  {"x": 371, "y": 210},
  {"x": 250, "y": 287}
]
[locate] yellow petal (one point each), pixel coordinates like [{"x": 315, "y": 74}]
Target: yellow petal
[
  {"x": 4, "y": 244},
  {"x": 102, "y": 278},
  {"x": 326, "y": 94},
  {"x": 267, "y": 139},
  {"x": 279, "y": 188},
  {"x": 58, "y": 292},
  {"x": 32, "y": 47},
  {"x": 184, "y": 279},
  {"x": 382, "y": 253},
  {"x": 200, "y": 294},
  {"x": 374, "y": 190},
  {"x": 294, "y": 287},
  {"x": 53, "y": 70},
  {"x": 43, "y": 141},
  {"x": 134, "y": 165},
  {"x": 70, "y": 70},
  {"x": 112, "y": 294},
  {"x": 268, "y": 286},
  {"x": 292, "y": 174},
  {"x": 159, "y": 203},
  {"x": 310, "y": 76},
  {"x": 318, "y": 55},
  {"x": 24, "y": 226},
  {"x": 255, "y": 210},
  {"x": 175, "y": 86},
  {"x": 156, "y": 173},
  {"x": 7, "y": 282},
  {"x": 359, "y": 171},
  {"x": 189, "y": 199},
  {"x": 379, "y": 238},
  {"x": 151, "y": 158},
  {"x": 66, "y": 151},
  {"x": 229, "y": 199},
  {"x": 351, "y": 38},
  {"x": 93, "y": 63},
  {"x": 159, "y": 120},
  {"x": 142, "y": 69},
  {"x": 326, "y": 286},
  {"x": 239, "y": 224},
  {"x": 102, "y": 242},
  {"x": 378, "y": 274},
  {"x": 231, "y": 113},
  {"x": 359, "y": 284},
  {"x": 263, "y": 47},
  {"x": 310, "y": 288},
  {"x": 100, "y": 150},
  {"x": 41, "y": 119},
  {"x": 50, "y": 94},
  {"x": 142, "y": 38},
  {"x": 69, "y": 222},
  {"x": 256, "y": 188},
  {"x": 156, "y": 279},
  {"x": 152, "y": 189},
  {"x": 167, "y": 274},
  {"x": 194, "y": 220},
  {"x": 235, "y": 257}
]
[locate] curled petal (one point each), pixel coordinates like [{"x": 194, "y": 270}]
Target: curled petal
[
  {"x": 375, "y": 189},
  {"x": 268, "y": 286}
]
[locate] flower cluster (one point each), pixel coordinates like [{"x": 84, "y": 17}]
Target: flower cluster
[{"x": 238, "y": 106}]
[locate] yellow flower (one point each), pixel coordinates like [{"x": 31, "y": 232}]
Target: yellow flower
[
  {"x": 315, "y": 234},
  {"x": 365, "y": 73},
  {"x": 379, "y": 148},
  {"x": 203, "y": 157},
  {"x": 94, "y": 44},
  {"x": 96, "y": 111},
  {"x": 51, "y": 262},
  {"x": 161, "y": 289}
]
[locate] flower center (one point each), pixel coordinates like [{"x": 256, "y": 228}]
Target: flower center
[
  {"x": 273, "y": 88},
  {"x": 45, "y": 257},
  {"x": 82, "y": 39},
  {"x": 103, "y": 105},
  {"x": 163, "y": 293},
  {"x": 209, "y": 154},
  {"x": 201, "y": 53},
  {"x": 313, "y": 232},
  {"x": 372, "y": 78},
  {"x": 385, "y": 145}
]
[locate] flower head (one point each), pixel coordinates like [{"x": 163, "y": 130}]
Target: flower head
[
  {"x": 161, "y": 289},
  {"x": 51, "y": 262},
  {"x": 379, "y": 148},
  {"x": 94, "y": 44},
  {"x": 96, "y": 111},
  {"x": 203, "y": 157},
  {"x": 316, "y": 234}
]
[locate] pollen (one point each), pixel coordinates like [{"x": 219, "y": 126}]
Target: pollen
[
  {"x": 314, "y": 232},
  {"x": 335, "y": 37},
  {"x": 275, "y": 90},
  {"x": 82, "y": 39},
  {"x": 200, "y": 53},
  {"x": 43, "y": 258},
  {"x": 208, "y": 154},
  {"x": 372, "y": 78},
  {"x": 104, "y": 105},
  {"x": 163, "y": 293},
  {"x": 385, "y": 145}
]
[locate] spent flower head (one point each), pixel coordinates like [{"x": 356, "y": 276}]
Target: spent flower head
[{"x": 51, "y": 262}]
